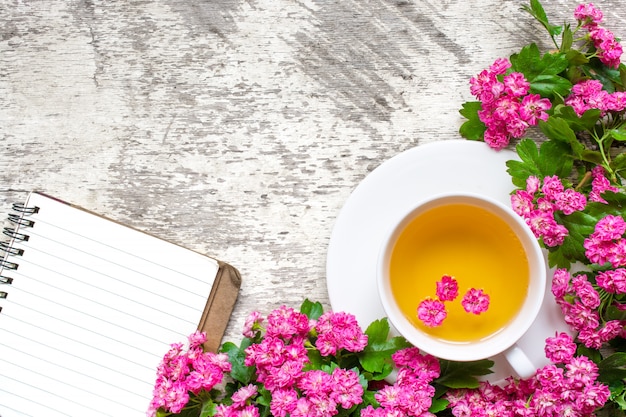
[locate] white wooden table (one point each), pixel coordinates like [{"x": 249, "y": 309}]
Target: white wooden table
[{"x": 239, "y": 128}]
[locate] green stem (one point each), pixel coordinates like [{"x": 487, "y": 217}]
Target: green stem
[{"x": 605, "y": 157}]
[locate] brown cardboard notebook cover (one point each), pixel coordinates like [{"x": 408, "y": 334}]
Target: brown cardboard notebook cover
[{"x": 220, "y": 305}]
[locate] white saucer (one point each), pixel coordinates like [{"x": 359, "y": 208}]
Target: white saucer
[{"x": 388, "y": 192}]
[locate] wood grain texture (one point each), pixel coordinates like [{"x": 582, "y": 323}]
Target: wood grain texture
[{"x": 239, "y": 128}]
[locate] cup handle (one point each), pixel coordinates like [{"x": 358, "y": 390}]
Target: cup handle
[{"x": 520, "y": 362}]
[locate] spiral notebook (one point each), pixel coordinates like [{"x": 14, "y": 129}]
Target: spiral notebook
[{"x": 88, "y": 308}]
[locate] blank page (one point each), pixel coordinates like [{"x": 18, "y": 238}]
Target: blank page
[{"x": 92, "y": 308}]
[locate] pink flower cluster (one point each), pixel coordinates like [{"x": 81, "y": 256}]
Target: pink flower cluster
[
  {"x": 608, "y": 49},
  {"x": 186, "y": 371},
  {"x": 567, "y": 387},
  {"x": 432, "y": 312},
  {"x": 607, "y": 243},
  {"x": 281, "y": 357},
  {"x": 538, "y": 203},
  {"x": 589, "y": 94},
  {"x": 579, "y": 302},
  {"x": 507, "y": 107},
  {"x": 411, "y": 394},
  {"x": 599, "y": 184}
]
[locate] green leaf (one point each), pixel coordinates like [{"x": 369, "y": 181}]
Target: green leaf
[
  {"x": 567, "y": 39},
  {"x": 579, "y": 225},
  {"x": 595, "y": 157},
  {"x": 473, "y": 128},
  {"x": 542, "y": 72},
  {"x": 208, "y": 409},
  {"x": 521, "y": 170},
  {"x": 576, "y": 58},
  {"x": 537, "y": 11},
  {"x": 618, "y": 133},
  {"x": 558, "y": 129},
  {"x": 549, "y": 85},
  {"x": 438, "y": 404},
  {"x": 236, "y": 356},
  {"x": 555, "y": 159},
  {"x": 611, "y": 78},
  {"x": 613, "y": 368},
  {"x": 463, "y": 374},
  {"x": 614, "y": 313},
  {"x": 586, "y": 121},
  {"x": 552, "y": 158},
  {"x": 618, "y": 392},
  {"x": 616, "y": 360},
  {"x": 312, "y": 310},
  {"x": 376, "y": 357}
]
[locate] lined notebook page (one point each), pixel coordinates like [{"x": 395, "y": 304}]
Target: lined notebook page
[{"x": 92, "y": 309}]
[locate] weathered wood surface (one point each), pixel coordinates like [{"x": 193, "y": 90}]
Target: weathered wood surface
[{"x": 239, "y": 128}]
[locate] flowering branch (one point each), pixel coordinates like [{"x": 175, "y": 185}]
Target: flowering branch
[{"x": 569, "y": 177}]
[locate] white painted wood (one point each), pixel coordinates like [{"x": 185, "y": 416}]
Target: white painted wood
[{"x": 239, "y": 128}]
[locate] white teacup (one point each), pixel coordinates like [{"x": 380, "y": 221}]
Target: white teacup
[{"x": 502, "y": 340}]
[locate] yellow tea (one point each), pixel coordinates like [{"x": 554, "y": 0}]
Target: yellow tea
[{"x": 475, "y": 247}]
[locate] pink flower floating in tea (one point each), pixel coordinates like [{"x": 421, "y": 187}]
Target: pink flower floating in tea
[
  {"x": 432, "y": 312},
  {"x": 447, "y": 288},
  {"x": 475, "y": 301}
]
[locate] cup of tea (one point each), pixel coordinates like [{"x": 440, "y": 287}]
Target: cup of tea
[{"x": 462, "y": 277}]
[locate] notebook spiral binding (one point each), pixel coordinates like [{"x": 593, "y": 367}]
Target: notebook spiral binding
[{"x": 19, "y": 220}]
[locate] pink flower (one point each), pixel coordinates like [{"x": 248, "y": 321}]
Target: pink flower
[
  {"x": 475, "y": 301},
  {"x": 315, "y": 382},
  {"x": 532, "y": 184},
  {"x": 339, "y": 331},
  {"x": 346, "y": 388},
  {"x": 581, "y": 371},
  {"x": 303, "y": 408},
  {"x": 534, "y": 108},
  {"x": 552, "y": 187},
  {"x": 610, "y": 227},
  {"x": 447, "y": 288},
  {"x": 587, "y": 14},
  {"x": 207, "y": 371},
  {"x": 561, "y": 282},
  {"x": 431, "y": 312},
  {"x": 252, "y": 324},
  {"x": 287, "y": 323},
  {"x": 249, "y": 411},
  {"x": 500, "y": 66},
  {"x": 588, "y": 296},
  {"x": 496, "y": 139},
  {"x": 593, "y": 397},
  {"x": 611, "y": 330},
  {"x": 516, "y": 85},
  {"x": 560, "y": 348},
  {"x": 609, "y": 50},
  {"x": 580, "y": 316},
  {"x": 550, "y": 377},
  {"x": 544, "y": 226},
  {"x": 522, "y": 203},
  {"x": 243, "y": 394},
  {"x": 606, "y": 244},
  {"x": 599, "y": 185},
  {"x": 590, "y": 338},
  {"x": 422, "y": 365},
  {"x": 617, "y": 101},
  {"x": 196, "y": 339},
  {"x": 612, "y": 281},
  {"x": 283, "y": 402},
  {"x": 570, "y": 201}
]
